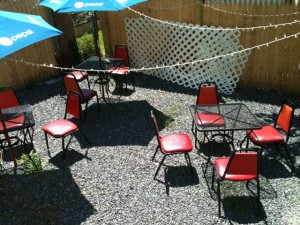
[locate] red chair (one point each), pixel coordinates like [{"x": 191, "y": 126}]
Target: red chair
[
  {"x": 207, "y": 95},
  {"x": 62, "y": 61},
  {"x": 172, "y": 144},
  {"x": 80, "y": 76},
  {"x": 240, "y": 166},
  {"x": 123, "y": 71},
  {"x": 277, "y": 134},
  {"x": 63, "y": 127},
  {"x": 71, "y": 84},
  {"x": 9, "y": 99}
]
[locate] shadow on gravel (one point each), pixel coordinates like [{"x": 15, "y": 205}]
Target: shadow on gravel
[
  {"x": 274, "y": 168},
  {"x": 122, "y": 123},
  {"x": 72, "y": 156},
  {"x": 238, "y": 203},
  {"x": 151, "y": 82},
  {"x": 46, "y": 197},
  {"x": 214, "y": 149},
  {"x": 242, "y": 209},
  {"x": 179, "y": 176}
]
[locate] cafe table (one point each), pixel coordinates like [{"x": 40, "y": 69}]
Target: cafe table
[
  {"x": 94, "y": 67},
  {"x": 234, "y": 117},
  {"x": 18, "y": 118}
]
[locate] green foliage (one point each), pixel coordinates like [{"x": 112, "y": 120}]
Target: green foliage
[
  {"x": 86, "y": 46},
  {"x": 165, "y": 118},
  {"x": 171, "y": 111},
  {"x": 32, "y": 162}
]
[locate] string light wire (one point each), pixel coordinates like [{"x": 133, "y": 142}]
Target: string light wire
[
  {"x": 217, "y": 9},
  {"x": 165, "y": 66},
  {"x": 210, "y": 28},
  {"x": 249, "y": 15}
]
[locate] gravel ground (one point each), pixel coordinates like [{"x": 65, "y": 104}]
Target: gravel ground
[{"x": 111, "y": 180}]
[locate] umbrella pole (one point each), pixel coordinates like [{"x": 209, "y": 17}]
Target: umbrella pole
[{"x": 97, "y": 38}]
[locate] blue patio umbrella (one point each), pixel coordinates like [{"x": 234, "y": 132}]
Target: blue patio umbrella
[
  {"x": 62, "y": 6},
  {"x": 88, "y": 5},
  {"x": 18, "y": 30}
]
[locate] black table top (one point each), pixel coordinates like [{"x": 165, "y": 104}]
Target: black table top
[
  {"x": 10, "y": 113},
  {"x": 92, "y": 63},
  {"x": 237, "y": 116}
]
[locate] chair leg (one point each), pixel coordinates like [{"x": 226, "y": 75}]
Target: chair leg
[
  {"x": 132, "y": 80},
  {"x": 247, "y": 142},
  {"x": 219, "y": 198},
  {"x": 126, "y": 81},
  {"x": 193, "y": 125},
  {"x": 158, "y": 168},
  {"x": 84, "y": 117},
  {"x": 153, "y": 157},
  {"x": 196, "y": 138},
  {"x": 88, "y": 83},
  {"x": 188, "y": 160},
  {"x": 290, "y": 158},
  {"x": 63, "y": 147},
  {"x": 98, "y": 105},
  {"x": 213, "y": 179},
  {"x": 46, "y": 138},
  {"x": 260, "y": 151},
  {"x": 208, "y": 158},
  {"x": 258, "y": 196}
]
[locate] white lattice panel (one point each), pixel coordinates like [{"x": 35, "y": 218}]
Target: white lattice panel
[{"x": 153, "y": 43}]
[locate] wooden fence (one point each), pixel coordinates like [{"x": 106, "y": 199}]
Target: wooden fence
[
  {"x": 17, "y": 74},
  {"x": 276, "y": 66}
]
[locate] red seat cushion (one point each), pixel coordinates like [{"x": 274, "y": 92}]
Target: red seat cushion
[
  {"x": 118, "y": 70},
  {"x": 176, "y": 143},
  {"x": 79, "y": 76},
  {"x": 88, "y": 94},
  {"x": 266, "y": 135},
  {"x": 13, "y": 123},
  {"x": 209, "y": 119},
  {"x": 242, "y": 169},
  {"x": 59, "y": 128}
]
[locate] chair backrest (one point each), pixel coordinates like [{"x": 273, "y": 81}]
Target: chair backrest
[
  {"x": 285, "y": 117},
  {"x": 207, "y": 94},
  {"x": 8, "y": 98},
  {"x": 73, "y": 106},
  {"x": 71, "y": 84},
  {"x": 62, "y": 60},
  {"x": 121, "y": 52},
  {"x": 242, "y": 163},
  {"x": 155, "y": 127}
]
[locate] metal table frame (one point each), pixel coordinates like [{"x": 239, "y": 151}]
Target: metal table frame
[
  {"x": 103, "y": 78},
  {"x": 26, "y": 127},
  {"x": 237, "y": 117}
]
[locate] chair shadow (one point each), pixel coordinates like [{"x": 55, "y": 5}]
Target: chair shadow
[
  {"x": 46, "y": 197},
  {"x": 71, "y": 157},
  {"x": 274, "y": 167},
  {"x": 121, "y": 123},
  {"x": 214, "y": 149},
  {"x": 238, "y": 203},
  {"x": 179, "y": 176},
  {"x": 19, "y": 150},
  {"x": 242, "y": 209},
  {"x": 267, "y": 191}
]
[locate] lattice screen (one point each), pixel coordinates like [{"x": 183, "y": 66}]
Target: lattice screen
[{"x": 152, "y": 44}]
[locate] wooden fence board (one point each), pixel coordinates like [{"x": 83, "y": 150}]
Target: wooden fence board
[
  {"x": 19, "y": 75},
  {"x": 273, "y": 67}
]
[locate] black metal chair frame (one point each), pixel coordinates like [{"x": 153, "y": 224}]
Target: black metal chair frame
[{"x": 220, "y": 179}]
